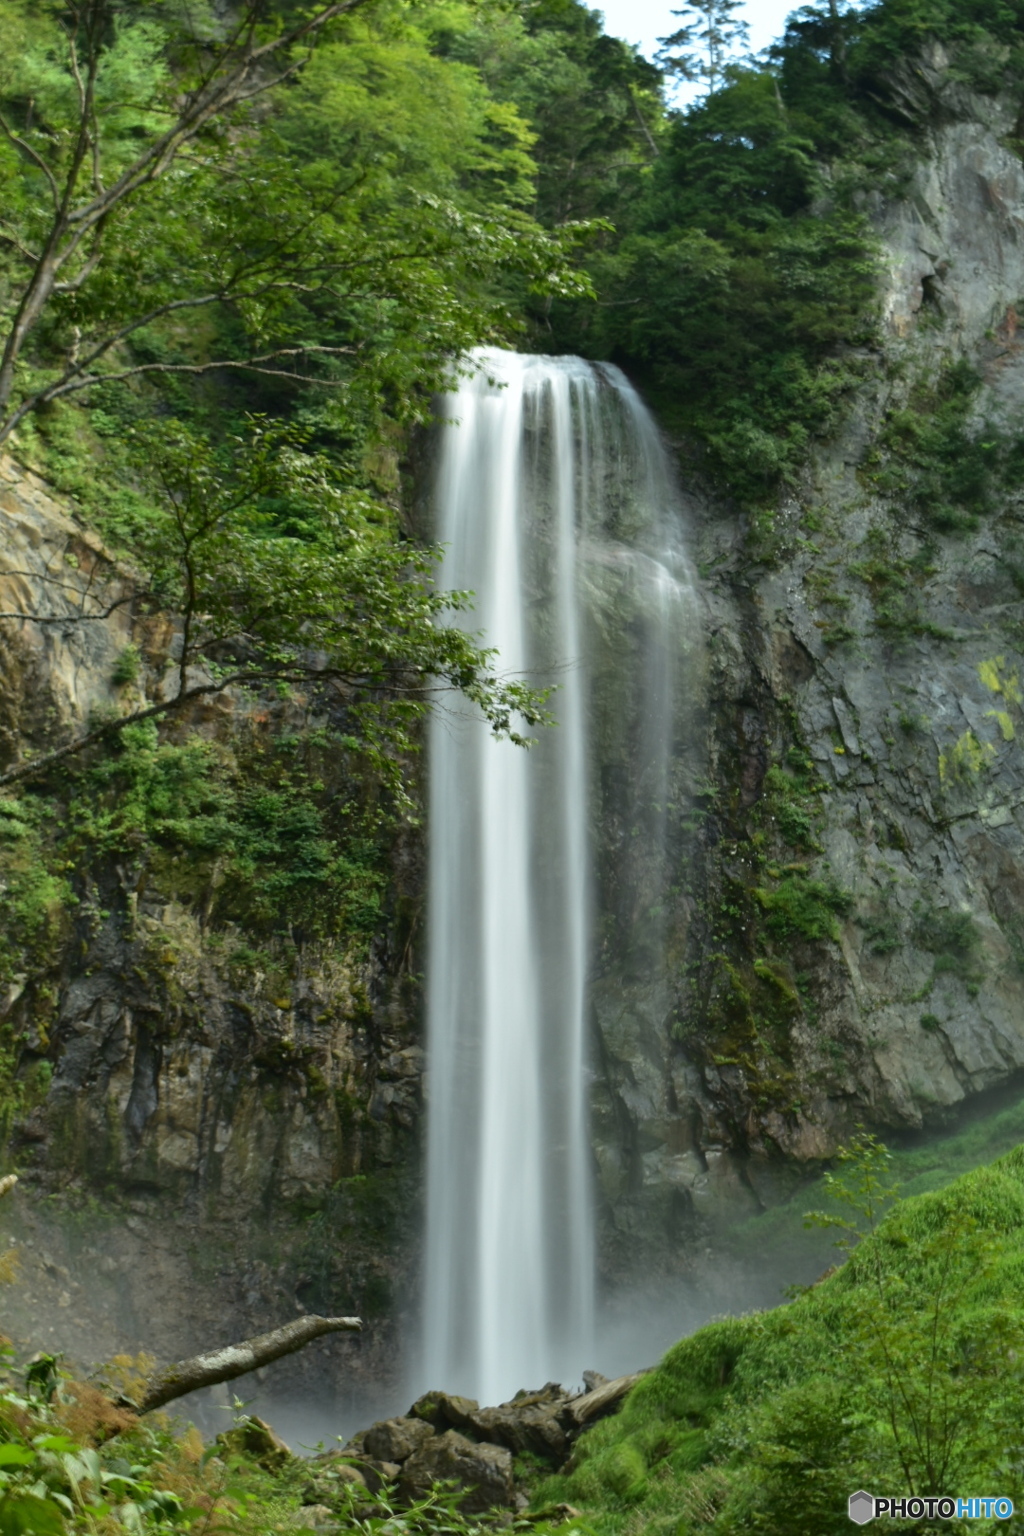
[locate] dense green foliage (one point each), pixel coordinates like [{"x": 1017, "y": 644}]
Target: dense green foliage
[
  {"x": 395, "y": 179},
  {"x": 732, "y": 294},
  {"x": 945, "y": 473},
  {"x": 898, "y": 1373},
  {"x": 592, "y": 103},
  {"x": 397, "y": 184}
]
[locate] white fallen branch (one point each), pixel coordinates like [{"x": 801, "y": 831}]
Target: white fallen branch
[
  {"x": 217, "y": 1365},
  {"x": 594, "y": 1405}
]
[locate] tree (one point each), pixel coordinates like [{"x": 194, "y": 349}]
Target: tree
[
  {"x": 85, "y": 171},
  {"x": 121, "y": 120},
  {"x": 592, "y": 101},
  {"x": 280, "y": 577},
  {"x": 708, "y": 39},
  {"x": 141, "y": 150}
]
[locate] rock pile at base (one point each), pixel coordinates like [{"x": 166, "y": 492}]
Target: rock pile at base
[{"x": 444, "y": 1437}]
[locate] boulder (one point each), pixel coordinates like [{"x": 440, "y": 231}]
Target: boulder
[
  {"x": 485, "y": 1471},
  {"x": 379, "y": 1474},
  {"x": 444, "y": 1410},
  {"x": 254, "y": 1437},
  {"x": 525, "y": 1429},
  {"x": 395, "y": 1439},
  {"x": 530, "y": 1422},
  {"x": 359, "y": 1471},
  {"x": 344, "y": 1472}
]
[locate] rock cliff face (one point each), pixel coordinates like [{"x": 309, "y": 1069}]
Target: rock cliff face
[
  {"x": 229, "y": 1130},
  {"x": 852, "y": 921}
]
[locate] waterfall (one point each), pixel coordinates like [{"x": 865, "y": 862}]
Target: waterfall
[{"x": 555, "y": 503}]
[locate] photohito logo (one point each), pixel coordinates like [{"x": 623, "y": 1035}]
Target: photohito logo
[{"x": 864, "y": 1507}]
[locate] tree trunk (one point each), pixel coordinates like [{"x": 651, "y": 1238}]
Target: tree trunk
[{"x": 233, "y": 1360}]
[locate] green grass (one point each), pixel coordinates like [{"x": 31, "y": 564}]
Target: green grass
[
  {"x": 899, "y": 1372},
  {"x": 922, "y": 1164}
]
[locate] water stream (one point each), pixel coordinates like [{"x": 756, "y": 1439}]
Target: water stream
[{"x": 555, "y": 501}]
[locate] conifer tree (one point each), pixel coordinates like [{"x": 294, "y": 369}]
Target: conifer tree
[{"x": 701, "y": 48}]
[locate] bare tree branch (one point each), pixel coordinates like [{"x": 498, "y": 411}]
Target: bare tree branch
[
  {"x": 6, "y": 233},
  {"x": 73, "y": 385},
  {"x": 399, "y": 685},
  {"x": 217, "y": 1365},
  {"x": 71, "y": 618},
  {"x": 246, "y": 678},
  {"x": 88, "y": 269}
]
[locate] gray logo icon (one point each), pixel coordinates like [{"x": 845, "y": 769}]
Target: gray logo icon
[{"x": 861, "y": 1507}]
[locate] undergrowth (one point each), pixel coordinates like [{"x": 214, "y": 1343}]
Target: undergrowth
[
  {"x": 70, "y": 1461},
  {"x": 954, "y": 940},
  {"x": 777, "y": 903},
  {"x": 267, "y": 833},
  {"x": 271, "y": 841}
]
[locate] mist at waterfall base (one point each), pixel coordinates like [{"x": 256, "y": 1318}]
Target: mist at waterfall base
[{"x": 555, "y": 503}]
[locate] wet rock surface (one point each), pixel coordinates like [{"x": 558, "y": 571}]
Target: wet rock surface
[{"x": 208, "y": 1102}]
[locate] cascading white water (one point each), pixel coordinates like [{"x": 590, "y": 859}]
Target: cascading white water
[{"x": 555, "y": 503}]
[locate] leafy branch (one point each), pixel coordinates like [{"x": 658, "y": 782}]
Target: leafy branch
[
  {"x": 318, "y": 595},
  {"x": 240, "y": 69}
]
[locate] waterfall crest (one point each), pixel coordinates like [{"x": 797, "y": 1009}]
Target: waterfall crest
[{"x": 555, "y": 502}]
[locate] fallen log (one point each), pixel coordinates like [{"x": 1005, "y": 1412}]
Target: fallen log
[
  {"x": 217, "y": 1365},
  {"x": 584, "y": 1410}
]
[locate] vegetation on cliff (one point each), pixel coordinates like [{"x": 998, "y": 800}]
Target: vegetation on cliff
[{"x": 740, "y": 281}]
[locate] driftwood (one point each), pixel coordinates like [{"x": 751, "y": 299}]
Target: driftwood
[
  {"x": 582, "y": 1411},
  {"x": 233, "y": 1360}
]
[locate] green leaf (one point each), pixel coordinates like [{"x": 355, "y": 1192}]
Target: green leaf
[
  {"x": 16, "y": 1456},
  {"x": 24, "y": 1514}
]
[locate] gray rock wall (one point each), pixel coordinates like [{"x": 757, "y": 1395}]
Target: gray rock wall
[
  {"x": 906, "y": 741},
  {"x": 230, "y": 1130}
]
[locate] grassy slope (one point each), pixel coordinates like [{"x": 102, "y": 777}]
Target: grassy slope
[
  {"x": 767, "y": 1422},
  {"x": 922, "y": 1163}
]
